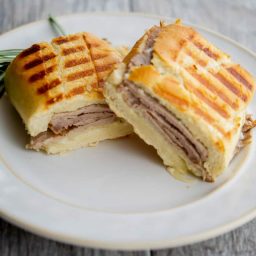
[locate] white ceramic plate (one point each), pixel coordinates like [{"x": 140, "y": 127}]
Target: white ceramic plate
[{"x": 116, "y": 195}]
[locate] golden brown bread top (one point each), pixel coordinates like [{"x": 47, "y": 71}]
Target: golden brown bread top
[
  {"x": 70, "y": 65},
  {"x": 192, "y": 74},
  {"x": 200, "y": 59}
]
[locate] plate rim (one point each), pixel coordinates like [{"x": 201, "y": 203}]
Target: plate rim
[
  {"x": 166, "y": 244},
  {"x": 201, "y": 236}
]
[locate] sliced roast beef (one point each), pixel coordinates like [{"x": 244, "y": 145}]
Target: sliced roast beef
[
  {"x": 172, "y": 128},
  {"x": 61, "y": 123},
  {"x": 246, "y": 135},
  {"x": 37, "y": 142},
  {"x": 166, "y": 122},
  {"x": 144, "y": 57}
]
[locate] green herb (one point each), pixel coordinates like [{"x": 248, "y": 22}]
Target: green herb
[
  {"x": 7, "y": 56},
  {"x": 56, "y": 26}
]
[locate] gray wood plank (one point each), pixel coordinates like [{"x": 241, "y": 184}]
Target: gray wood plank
[{"x": 235, "y": 19}]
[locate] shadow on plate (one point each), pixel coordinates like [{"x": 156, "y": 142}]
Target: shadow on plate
[{"x": 136, "y": 146}]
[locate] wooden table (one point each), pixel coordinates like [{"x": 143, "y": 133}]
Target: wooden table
[{"x": 233, "y": 18}]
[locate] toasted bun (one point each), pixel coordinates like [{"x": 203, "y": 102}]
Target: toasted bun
[
  {"x": 196, "y": 82},
  {"x": 84, "y": 137},
  {"x": 63, "y": 75}
]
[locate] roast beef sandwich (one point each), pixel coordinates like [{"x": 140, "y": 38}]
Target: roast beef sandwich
[
  {"x": 185, "y": 97},
  {"x": 57, "y": 90}
]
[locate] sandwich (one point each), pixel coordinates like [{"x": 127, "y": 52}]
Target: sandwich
[
  {"x": 185, "y": 97},
  {"x": 57, "y": 89}
]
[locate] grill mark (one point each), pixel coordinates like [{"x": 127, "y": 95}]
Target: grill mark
[
  {"x": 206, "y": 50},
  {"x": 38, "y": 61},
  {"x": 41, "y": 74},
  {"x": 181, "y": 45},
  {"x": 55, "y": 99},
  {"x": 179, "y": 49},
  {"x": 209, "y": 119},
  {"x": 104, "y": 67},
  {"x": 75, "y": 91},
  {"x": 183, "y": 103},
  {"x": 33, "y": 49},
  {"x": 63, "y": 40},
  {"x": 209, "y": 102},
  {"x": 101, "y": 83},
  {"x": 171, "y": 97},
  {"x": 76, "y": 62},
  {"x": 33, "y": 64},
  {"x": 210, "y": 86},
  {"x": 49, "y": 56},
  {"x": 94, "y": 45},
  {"x": 80, "y": 74},
  {"x": 240, "y": 78},
  {"x": 46, "y": 87},
  {"x": 230, "y": 86},
  {"x": 94, "y": 85},
  {"x": 98, "y": 56},
  {"x": 71, "y": 50},
  {"x": 195, "y": 58},
  {"x": 88, "y": 46}
]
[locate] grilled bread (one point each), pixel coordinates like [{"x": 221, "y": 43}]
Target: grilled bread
[
  {"x": 49, "y": 82},
  {"x": 183, "y": 96}
]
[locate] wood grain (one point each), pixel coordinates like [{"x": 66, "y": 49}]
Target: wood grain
[{"x": 236, "y": 19}]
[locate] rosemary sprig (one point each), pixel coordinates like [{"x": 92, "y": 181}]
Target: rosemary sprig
[
  {"x": 7, "y": 56},
  {"x": 9, "y": 52},
  {"x": 56, "y": 26},
  {"x": 3, "y": 66}
]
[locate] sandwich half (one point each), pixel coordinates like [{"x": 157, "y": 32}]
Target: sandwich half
[
  {"x": 185, "y": 97},
  {"x": 57, "y": 90}
]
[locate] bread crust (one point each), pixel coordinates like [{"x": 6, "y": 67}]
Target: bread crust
[
  {"x": 64, "y": 75},
  {"x": 196, "y": 82}
]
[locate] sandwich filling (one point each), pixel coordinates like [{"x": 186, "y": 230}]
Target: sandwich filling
[
  {"x": 175, "y": 132},
  {"x": 145, "y": 56},
  {"x": 165, "y": 122},
  {"x": 170, "y": 126},
  {"x": 61, "y": 123}
]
